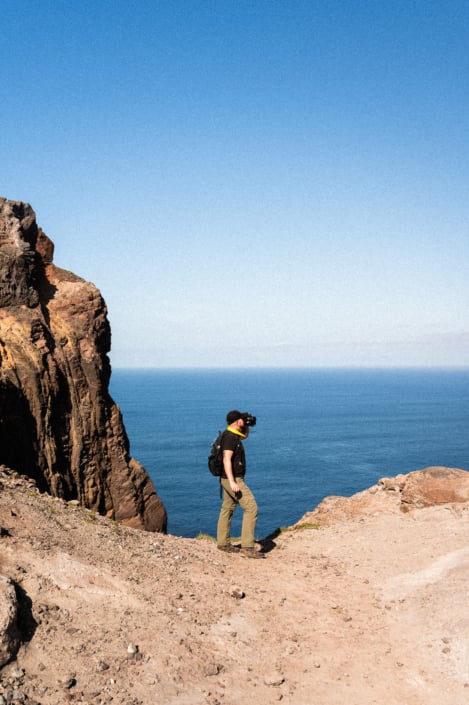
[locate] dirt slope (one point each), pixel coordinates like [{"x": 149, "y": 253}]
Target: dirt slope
[{"x": 368, "y": 610}]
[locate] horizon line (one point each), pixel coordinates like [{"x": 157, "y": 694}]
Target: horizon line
[{"x": 242, "y": 368}]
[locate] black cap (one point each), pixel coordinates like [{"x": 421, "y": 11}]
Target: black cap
[{"x": 234, "y": 415}]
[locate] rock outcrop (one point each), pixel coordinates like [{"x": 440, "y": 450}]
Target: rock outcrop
[
  {"x": 58, "y": 423},
  {"x": 422, "y": 488},
  {"x": 9, "y": 634}
]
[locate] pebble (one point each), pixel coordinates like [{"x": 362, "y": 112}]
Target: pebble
[
  {"x": 237, "y": 593},
  {"x": 213, "y": 669},
  {"x": 274, "y": 679}
]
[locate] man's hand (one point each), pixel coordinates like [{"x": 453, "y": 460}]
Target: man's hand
[
  {"x": 234, "y": 487},
  {"x": 228, "y": 467}
]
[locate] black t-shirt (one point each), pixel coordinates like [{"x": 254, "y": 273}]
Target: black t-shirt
[{"x": 230, "y": 441}]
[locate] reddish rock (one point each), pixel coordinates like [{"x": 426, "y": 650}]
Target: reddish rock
[
  {"x": 418, "y": 489},
  {"x": 58, "y": 423},
  {"x": 435, "y": 485}
]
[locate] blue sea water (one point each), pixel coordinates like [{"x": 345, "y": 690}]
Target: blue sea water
[{"x": 318, "y": 432}]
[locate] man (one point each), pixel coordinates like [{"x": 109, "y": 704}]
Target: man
[{"x": 235, "y": 490}]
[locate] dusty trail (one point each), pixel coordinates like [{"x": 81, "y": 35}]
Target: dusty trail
[{"x": 371, "y": 610}]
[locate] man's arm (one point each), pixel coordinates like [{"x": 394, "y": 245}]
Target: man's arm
[{"x": 228, "y": 468}]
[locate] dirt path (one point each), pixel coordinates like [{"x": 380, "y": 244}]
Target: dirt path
[{"x": 366, "y": 611}]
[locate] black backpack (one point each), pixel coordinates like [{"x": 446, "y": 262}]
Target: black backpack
[{"x": 215, "y": 459}]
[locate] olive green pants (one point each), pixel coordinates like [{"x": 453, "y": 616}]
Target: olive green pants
[{"x": 248, "y": 504}]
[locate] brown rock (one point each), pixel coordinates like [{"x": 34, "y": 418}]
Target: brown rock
[
  {"x": 421, "y": 488},
  {"x": 59, "y": 424},
  {"x": 9, "y": 634},
  {"x": 435, "y": 485}
]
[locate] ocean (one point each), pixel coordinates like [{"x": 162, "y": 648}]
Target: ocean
[{"x": 318, "y": 433}]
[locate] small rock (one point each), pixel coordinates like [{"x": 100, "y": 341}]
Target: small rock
[
  {"x": 16, "y": 673},
  {"x": 274, "y": 679},
  {"x": 237, "y": 593},
  {"x": 213, "y": 669},
  {"x": 102, "y": 666}
]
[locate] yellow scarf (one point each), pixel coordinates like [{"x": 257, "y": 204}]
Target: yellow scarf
[{"x": 237, "y": 433}]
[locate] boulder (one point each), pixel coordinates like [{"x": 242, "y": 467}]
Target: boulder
[{"x": 435, "y": 485}]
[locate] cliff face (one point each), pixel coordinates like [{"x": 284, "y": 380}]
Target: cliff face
[{"x": 58, "y": 423}]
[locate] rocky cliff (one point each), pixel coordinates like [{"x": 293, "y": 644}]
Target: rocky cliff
[{"x": 58, "y": 423}]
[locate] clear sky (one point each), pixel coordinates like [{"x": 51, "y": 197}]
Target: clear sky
[{"x": 250, "y": 182}]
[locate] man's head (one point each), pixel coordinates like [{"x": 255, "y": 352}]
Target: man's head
[
  {"x": 240, "y": 418},
  {"x": 235, "y": 420},
  {"x": 233, "y": 416}
]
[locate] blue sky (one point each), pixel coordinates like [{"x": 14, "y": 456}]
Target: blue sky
[{"x": 250, "y": 182}]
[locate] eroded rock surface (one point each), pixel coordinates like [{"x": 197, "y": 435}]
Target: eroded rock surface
[
  {"x": 422, "y": 488},
  {"x": 58, "y": 423},
  {"x": 9, "y": 635}
]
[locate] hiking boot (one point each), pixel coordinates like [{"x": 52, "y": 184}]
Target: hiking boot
[
  {"x": 229, "y": 548},
  {"x": 251, "y": 553}
]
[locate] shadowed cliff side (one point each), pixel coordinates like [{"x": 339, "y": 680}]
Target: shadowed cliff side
[{"x": 58, "y": 423}]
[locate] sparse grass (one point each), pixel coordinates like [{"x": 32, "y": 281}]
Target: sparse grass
[
  {"x": 90, "y": 516},
  {"x": 115, "y": 526},
  {"x": 291, "y": 529},
  {"x": 303, "y": 527},
  {"x": 204, "y": 537},
  {"x": 53, "y": 512}
]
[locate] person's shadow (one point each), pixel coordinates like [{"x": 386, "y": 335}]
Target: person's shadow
[
  {"x": 268, "y": 544},
  {"x": 27, "y": 625}
]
